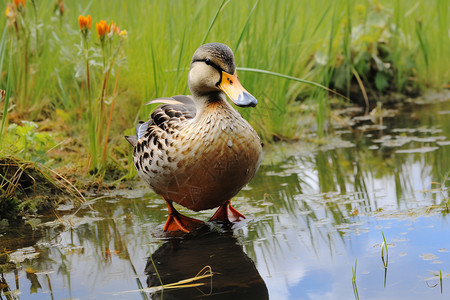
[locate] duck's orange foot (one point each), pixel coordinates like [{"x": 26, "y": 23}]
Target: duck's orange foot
[
  {"x": 227, "y": 213},
  {"x": 178, "y": 222}
]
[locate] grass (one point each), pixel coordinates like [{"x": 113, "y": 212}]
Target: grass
[
  {"x": 385, "y": 260},
  {"x": 192, "y": 282},
  {"x": 27, "y": 186},
  {"x": 434, "y": 275},
  {"x": 384, "y": 249},
  {"x": 355, "y": 288},
  {"x": 299, "y": 41}
]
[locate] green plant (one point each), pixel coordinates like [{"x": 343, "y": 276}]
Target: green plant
[
  {"x": 372, "y": 56},
  {"x": 384, "y": 249},
  {"x": 31, "y": 48},
  {"x": 27, "y": 143},
  {"x": 435, "y": 274},
  {"x": 111, "y": 45},
  {"x": 385, "y": 261},
  {"x": 355, "y": 288}
]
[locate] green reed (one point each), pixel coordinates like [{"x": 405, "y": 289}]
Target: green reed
[
  {"x": 434, "y": 275},
  {"x": 384, "y": 257},
  {"x": 355, "y": 287}
]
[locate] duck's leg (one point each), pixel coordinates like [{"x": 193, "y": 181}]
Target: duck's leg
[
  {"x": 227, "y": 213},
  {"x": 177, "y": 221}
]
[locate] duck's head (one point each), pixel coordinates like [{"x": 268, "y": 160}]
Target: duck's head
[{"x": 213, "y": 73}]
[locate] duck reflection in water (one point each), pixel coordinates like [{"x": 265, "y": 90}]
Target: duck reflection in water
[{"x": 234, "y": 273}]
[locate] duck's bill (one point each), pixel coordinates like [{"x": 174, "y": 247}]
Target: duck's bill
[{"x": 235, "y": 91}]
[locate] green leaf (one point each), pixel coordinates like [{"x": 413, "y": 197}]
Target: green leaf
[
  {"x": 381, "y": 81},
  {"x": 341, "y": 77},
  {"x": 362, "y": 63}
]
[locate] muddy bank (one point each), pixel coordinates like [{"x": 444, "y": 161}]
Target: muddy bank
[{"x": 28, "y": 187}]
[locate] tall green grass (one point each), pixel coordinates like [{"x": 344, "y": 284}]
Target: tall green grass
[{"x": 302, "y": 39}]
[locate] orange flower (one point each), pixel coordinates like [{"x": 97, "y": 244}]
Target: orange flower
[
  {"x": 102, "y": 29},
  {"x": 85, "y": 22},
  {"x": 17, "y": 2}
]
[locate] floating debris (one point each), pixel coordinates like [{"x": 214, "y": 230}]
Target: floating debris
[
  {"x": 393, "y": 142},
  {"x": 418, "y": 150},
  {"x": 71, "y": 221},
  {"x": 22, "y": 254},
  {"x": 428, "y": 256}
]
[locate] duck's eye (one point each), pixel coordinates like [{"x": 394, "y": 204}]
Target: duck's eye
[{"x": 207, "y": 61}]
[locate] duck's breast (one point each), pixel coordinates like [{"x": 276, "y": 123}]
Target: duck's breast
[{"x": 211, "y": 165}]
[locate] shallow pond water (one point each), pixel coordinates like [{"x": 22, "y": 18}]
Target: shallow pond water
[{"x": 313, "y": 213}]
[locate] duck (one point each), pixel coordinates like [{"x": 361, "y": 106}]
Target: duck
[{"x": 197, "y": 150}]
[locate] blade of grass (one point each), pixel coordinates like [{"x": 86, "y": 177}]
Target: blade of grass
[
  {"x": 181, "y": 50},
  {"x": 347, "y": 45},
  {"x": 156, "y": 270},
  {"x": 7, "y": 96},
  {"x": 155, "y": 73},
  {"x": 222, "y": 5},
  {"x": 3, "y": 48},
  {"x": 292, "y": 78},
  {"x": 422, "y": 43},
  {"x": 185, "y": 283},
  {"x": 245, "y": 26},
  {"x": 383, "y": 247},
  {"x": 354, "y": 271},
  {"x": 105, "y": 147},
  {"x": 385, "y": 261},
  {"x": 64, "y": 97},
  {"x": 355, "y": 287}
]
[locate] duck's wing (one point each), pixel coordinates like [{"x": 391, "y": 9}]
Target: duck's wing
[
  {"x": 172, "y": 111},
  {"x": 167, "y": 117}
]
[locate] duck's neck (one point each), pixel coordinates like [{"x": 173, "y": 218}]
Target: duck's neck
[{"x": 212, "y": 102}]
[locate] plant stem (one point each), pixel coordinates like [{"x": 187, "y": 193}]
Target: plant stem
[
  {"x": 110, "y": 115},
  {"x": 91, "y": 121},
  {"x": 101, "y": 115}
]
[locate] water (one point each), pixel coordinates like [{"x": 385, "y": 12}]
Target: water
[{"x": 312, "y": 212}]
